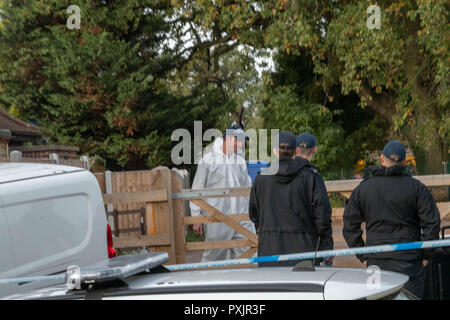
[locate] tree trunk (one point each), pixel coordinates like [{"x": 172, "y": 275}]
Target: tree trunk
[
  {"x": 430, "y": 160},
  {"x": 429, "y": 149},
  {"x": 429, "y": 155},
  {"x": 421, "y": 132}
]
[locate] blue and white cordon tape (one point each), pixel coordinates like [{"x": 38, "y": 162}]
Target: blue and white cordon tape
[
  {"x": 277, "y": 258},
  {"x": 312, "y": 254}
]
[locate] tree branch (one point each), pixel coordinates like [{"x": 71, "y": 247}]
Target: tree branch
[{"x": 381, "y": 104}]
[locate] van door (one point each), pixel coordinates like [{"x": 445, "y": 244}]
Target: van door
[
  {"x": 54, "y": 222},
  {"x": 7, "y": 267}
]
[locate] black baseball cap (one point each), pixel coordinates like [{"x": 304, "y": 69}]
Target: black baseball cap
[
  {"x": 306, "y": 140},
  {"x": 395, "y": 151},
  {"x": 285, "y": 141}
]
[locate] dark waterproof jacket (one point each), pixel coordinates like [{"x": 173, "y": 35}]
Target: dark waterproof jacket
[
  {"x": 290, "y": 210},
  {"x": 396, "y": 208}
]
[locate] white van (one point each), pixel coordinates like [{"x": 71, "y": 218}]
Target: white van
[{"x": 51, "y": 216}]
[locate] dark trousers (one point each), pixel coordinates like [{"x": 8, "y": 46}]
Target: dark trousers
[{"x": 413, "y": 269}]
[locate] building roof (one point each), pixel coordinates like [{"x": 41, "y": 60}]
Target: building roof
[
  {"x": 46, "y": 148},
  {"x": 17, "y": 126},
  {"x": 15, "y": 171}
]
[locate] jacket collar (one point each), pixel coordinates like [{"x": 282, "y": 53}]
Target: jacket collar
[{"x": 382, "y": 171}]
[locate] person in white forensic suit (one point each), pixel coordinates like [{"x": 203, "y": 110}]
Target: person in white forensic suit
[{"x": 223, "y": 167}]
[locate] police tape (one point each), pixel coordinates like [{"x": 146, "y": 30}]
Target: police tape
[
  {"x": 276, "y": 258},
  {"x": 311, "y": 255}
]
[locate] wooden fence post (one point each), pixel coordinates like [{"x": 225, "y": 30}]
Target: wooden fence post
[
  {"x": 159, "y": 212},
  {"x": 116, "y": 222},
  {"x": 109, "y": 206},
  {"x": 116, "y": 227},
  {"x": 171, "y": 221},
  {"x": 178, "y": 219}
]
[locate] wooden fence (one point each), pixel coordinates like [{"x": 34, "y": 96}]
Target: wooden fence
[
  {"x": 345, "y": 187},
  {"x": 159, "y": 194}
]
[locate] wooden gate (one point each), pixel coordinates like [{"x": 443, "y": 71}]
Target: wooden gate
[{"x": 216, "y": 216}]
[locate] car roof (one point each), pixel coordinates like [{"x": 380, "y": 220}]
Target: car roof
[
  {"x": 332, "y": 283},
  {"x": 17, "y": 171},
  {"x": 235, "y": 275}
]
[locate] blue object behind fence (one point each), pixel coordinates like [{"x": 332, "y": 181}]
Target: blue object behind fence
[{"x": 254, "y": 167}]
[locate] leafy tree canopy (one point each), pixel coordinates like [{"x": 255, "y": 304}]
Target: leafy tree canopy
[
  {"x": 98, "y": 87},
  {"x": 400, "y": 71}
]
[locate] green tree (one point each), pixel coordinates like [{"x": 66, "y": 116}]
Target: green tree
[
  {"x": 346, "y": 133},
  {"x": 208, "y": 57},
  {"x": 284, "y": 110},
  {"x": 98, "y": 87},
  {"x": 399, "y": 71}
]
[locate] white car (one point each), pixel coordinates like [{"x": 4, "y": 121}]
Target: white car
[
  {"x": 127, "y": 277},
  {"x": 51, "y": 217}
]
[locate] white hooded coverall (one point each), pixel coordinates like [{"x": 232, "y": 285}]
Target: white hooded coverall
[{"x": 217, "y": 170}]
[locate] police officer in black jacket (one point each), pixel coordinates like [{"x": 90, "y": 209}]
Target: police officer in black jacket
[
  {"x": 290, "y": 209},
  {"x": 396, "y": 208},
  {"x": 306, "y": 149}
]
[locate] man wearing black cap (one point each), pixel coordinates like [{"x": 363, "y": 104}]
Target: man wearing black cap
[
  {"x": 282, "y": 207},
  {"x": 396, "y": 208},
  {"x": 306, "y": 148}
]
